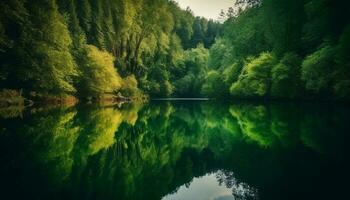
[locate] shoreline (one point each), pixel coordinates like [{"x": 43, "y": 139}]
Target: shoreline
[{"x": 15, "y": 98}]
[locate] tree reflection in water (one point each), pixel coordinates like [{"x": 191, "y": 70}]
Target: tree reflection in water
[
  {"x": 265, "y": 151},
  {"x": 240, "y": 190}
]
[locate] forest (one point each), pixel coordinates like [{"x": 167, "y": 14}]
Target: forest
[{"x": 93, "y": 49}]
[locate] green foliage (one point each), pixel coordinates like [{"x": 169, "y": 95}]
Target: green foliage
[
  {"x": 44, "y": 43},
  {"x": 76, "y": 46},
  {"x": 166, "y": 88},
  {"x": 317, "y": 69},
  {"x": 231, "y": 73},
  {"x": 219, "y": 54},
  {"x": 317, "y": 26},
  {"x": 191, "y": 71},
  {"x": 254, "y": 123},
  {"x": 52, "y": 66},
  {"x": 100, "y": 76},
  {"x": 100, "y": 126},
  {"x": 184, "y": 86},
  {"x": 342, "y": 71},
  {"x": 285, "y": 77},
  {"x": 158, "y": 84},
  {"x": 282, "y": 24},
  {"x": 69, "y": 11},
  {"x": 39, "y": 57},
  {"x": 245, "y": 35},
  {"x": 13, "y": 19},
  {"x": 127, "y": 148},
  {"x": 254, "y": 80},
  {"x": 56, "y": 134},
  {"x": 129, "y": 87},
  {"x": 313, "y": 31},
  {"x": 214, "y": 86}
]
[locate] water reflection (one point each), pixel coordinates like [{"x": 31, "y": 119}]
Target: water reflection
[
  {"x": 239, "y": 151},
  {"x": 220, "y": 185}
]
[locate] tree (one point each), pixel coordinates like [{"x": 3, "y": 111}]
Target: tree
[
  {"x": 214, "y": 85},
  {"x": 194, "y": 69},
  {"x": 230, "y": 13},
  {"x": 286, "y": 77},
  {"x": 14, "y": 26},
  {"x": 222, "y": 15},
  {"x": 342, "y": 71},
  {"x": 219, "y": 54},
  {"x": 84, "y": 14},
  {"x": 248, "y": 3},
  {"x": 231, "y": 74},
  {"x": 56, "y": 47},
  {"x": 198, "y": 33},
  {"x": 100, "y": 77},
  {"x": 213, "y": 29},
  {"x": 316, "y": 70},
  {"x": 129, "y": 87},
  {"x": 254, "y": 81},
  {"x": 68, "y": 9},
  {"x": 51, "y": 66},
  {"x": 283, "y": 24},
  {"x": 245, "y": 35},
  {"x": 98, "y": 20},
  {"x": 159, "y": 85}
]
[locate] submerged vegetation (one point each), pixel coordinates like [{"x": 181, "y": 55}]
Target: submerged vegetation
[{"x": 270, "y": 49}]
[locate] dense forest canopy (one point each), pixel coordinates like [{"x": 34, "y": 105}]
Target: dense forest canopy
[
  {"x": 285, "y": 49},
  {"x": 282, "y": 49}
]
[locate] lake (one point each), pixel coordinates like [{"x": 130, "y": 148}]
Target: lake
[{"x": 176, "y": 150}]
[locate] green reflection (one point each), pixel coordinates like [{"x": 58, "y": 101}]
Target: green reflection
[
  {"x": 148, "y": 151},
  {"x": 50, "y": 138}
]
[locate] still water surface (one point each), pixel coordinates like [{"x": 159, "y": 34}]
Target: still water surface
[{"x": 176, "y": 151}]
